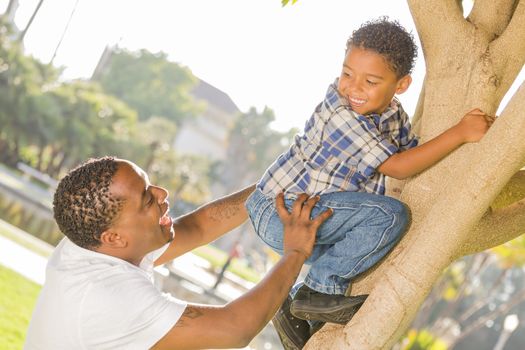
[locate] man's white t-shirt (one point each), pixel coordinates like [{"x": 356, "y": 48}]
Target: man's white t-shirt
[{"x": 95, "y": 301}]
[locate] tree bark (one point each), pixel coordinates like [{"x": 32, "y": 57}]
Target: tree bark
[{"x": 471, "y": 63}]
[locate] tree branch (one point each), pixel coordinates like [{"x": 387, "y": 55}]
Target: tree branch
[
  {"x": 472, "y": 273},
  {"x": 10, "y": 7},
  {"x": 495, "y": 228},
  {"x": 507, "y": 51},
  {"x": 513, "y": 191},
  {"x": 418, "y": 113},
  {"x": 429, "y": 15},
  {"x": 482, "y": 302},
  {"x": 492, "y": 16},
  {"x": 502, "y": 309},
  {"x": 424, "y": 315},
  {"x": 505, "y": 223}
]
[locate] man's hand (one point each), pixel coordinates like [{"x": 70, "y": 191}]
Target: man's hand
[
  {"x": 299, "y": 228},
  {"x": 236, "y": 323},
  {"x": 474, "y": 125}
]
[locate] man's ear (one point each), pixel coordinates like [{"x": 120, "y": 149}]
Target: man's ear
[
  {"x": 403, "y": 84},
  {"x": 113, "y": 239}
]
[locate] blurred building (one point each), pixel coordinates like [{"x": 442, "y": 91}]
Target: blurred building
[{"x": 206, "y": 135}]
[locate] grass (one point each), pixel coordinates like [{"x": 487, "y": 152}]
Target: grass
[{"x": 17, "y": 300}]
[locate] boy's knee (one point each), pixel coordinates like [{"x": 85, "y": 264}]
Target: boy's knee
[
  {"x": 404, "y": 215},
  {"x": 407, "y": 215}
]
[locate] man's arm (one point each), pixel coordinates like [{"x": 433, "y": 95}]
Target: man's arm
[
  {"x": 207, "y": 223},
  {"x": 235, "y": 324},
  {"x": 471, "y": 128}
]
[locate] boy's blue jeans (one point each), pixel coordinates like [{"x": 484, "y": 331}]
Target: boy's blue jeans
[{"x": 363, "y": 228}]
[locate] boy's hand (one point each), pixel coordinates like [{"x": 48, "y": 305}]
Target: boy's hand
[
  {"x": 474, "y": 125},
  {"x": 299, "y": 229}
]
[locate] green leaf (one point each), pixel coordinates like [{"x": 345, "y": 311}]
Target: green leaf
[
  {"x": 285, "y": 2},
  {"x": 423, "y": 340}
]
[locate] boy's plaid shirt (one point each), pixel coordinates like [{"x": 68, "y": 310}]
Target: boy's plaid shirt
[{"x": 340, "y": 150}]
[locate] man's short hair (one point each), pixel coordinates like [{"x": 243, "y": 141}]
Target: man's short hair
[
  {"x": 389, "y": 39},
  {"x": 83, "y": 206}
]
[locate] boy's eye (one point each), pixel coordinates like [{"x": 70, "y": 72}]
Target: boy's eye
[{"x": 372, "y": 82}]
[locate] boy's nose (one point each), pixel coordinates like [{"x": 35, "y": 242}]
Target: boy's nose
[{"x": 355, "y": 87}]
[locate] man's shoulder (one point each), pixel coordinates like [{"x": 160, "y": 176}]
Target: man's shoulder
[
  {"x": 127, "y": 309},
  {"x": 97, "y": 300}
]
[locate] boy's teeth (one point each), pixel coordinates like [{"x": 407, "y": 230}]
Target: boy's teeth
[{"x": 356, "y": 101}]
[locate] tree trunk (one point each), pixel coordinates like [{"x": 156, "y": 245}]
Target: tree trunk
[
  {"x": 24, "y": 32},
  {"x": 41, "y": 154},
  {"x": 470, "y": 63},
  {"x": 12, "y": 6}
]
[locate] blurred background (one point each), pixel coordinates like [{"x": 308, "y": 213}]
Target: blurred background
[{"x": 184, "y": 90}]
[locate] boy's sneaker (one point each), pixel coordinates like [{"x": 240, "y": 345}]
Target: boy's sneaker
[
  {"x": 309, "y": 304},
  {"x": 293, "y": 332}
]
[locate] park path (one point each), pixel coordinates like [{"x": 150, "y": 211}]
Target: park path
[
  {"x": 33, "y": 266},
  {"x": 20, "y": 259}
]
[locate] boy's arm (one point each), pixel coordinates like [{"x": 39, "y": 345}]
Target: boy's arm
[
  {"x": 235, "y": 324},
  {"x": 207, "y": 223},
  {"x": 471, "y": 128}
]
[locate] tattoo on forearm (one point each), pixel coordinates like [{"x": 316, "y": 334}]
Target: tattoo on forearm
[{"x": 189, "y": 313}]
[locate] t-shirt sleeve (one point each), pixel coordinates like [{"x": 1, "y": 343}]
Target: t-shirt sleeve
[
  {"x": 356, "y": 141},
  {"x": 127, "y": 312}
]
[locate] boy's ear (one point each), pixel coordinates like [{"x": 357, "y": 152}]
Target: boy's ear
[
  {"x": 113, "y": 239},
  {"x": 403, "y": 84}
]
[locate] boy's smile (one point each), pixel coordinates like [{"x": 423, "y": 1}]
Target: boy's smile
[{"x": 367, "y": 81}]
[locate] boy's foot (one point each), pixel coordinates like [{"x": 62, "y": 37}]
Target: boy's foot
[
  {"x": 315, "y": 326},
  {"x": 309, "y": 304},
  {"x": 293, "y": 332}
]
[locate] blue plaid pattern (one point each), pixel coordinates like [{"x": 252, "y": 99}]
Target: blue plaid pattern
[{"x": 340, "y": 150}]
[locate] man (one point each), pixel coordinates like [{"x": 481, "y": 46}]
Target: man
[{"x": 98, "y": 292}]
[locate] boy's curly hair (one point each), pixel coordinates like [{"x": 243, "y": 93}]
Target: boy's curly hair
[
  {"x": 83, "y": 206},
  {"x": 389, "y": 39}
]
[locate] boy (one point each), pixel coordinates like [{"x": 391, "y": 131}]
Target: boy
[{"x": 358, "y": 135}]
